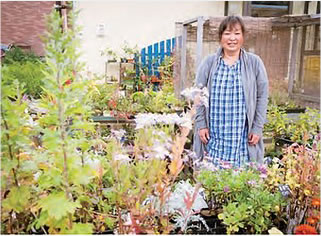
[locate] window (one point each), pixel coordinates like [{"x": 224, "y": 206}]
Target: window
[{"x": 268, "y": 8}]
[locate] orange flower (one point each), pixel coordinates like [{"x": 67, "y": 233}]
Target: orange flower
[
  {"x": 311, "y": 220},
  {"x": 315, "y": 202},
  {"x": 305, "y": 229}
]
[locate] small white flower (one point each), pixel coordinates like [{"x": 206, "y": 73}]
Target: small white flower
[
  {"x": 121, "y": 158},
  {"x": 190, "y": 93},
  {"x": 118, "y": 134},
  {"x": 160, "y": 152},
  {"x": 206, "y": 164},
  {"x": 186, "y": 122},
  {"x": 30, "y": 122},
  {"x": 36, "y": 175},
  {"x": 94, "y": 163},
  {"x": 145, "y": 120}
]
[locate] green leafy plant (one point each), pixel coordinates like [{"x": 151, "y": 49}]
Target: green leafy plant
[
  {"x": 246, "y": 202},
  {"x": 129, "y": 51},
  {"x": 225, "y": 185},
  {"x": 301, "y": 130},
  {"x": 163, "y": 101},
  {"x": 64, "y": 129},
  {"x": 101, "y": 98},
  {"x": 111, "y": 54},
  {"x": 55, "y": 184},
  {"x": 277, "y": 122},
  {"x": 17, "y": 55},
  {"x": 234, "y": 216},
  {"x": 17, "y": 167},
  {"x": 166, "y": 69},
  {"x": 305, "y": 129},
  {"x": 29, "y": 73}
]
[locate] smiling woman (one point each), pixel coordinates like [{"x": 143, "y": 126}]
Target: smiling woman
[
  {"x": 231, "y": 33},
  {"x": 230, "y": 129}
]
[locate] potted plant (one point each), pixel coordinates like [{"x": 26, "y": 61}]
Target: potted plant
[
  {"x": 297, "y": 177},
  {"x": 238, "y": 196},
  {"x": 110, "y": 54},
  {"x": 129, "y": 53},
  {"x": 155, "y": 79}
]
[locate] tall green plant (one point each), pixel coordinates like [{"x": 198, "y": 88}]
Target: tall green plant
[
  {"x": 17, "y": 169},
  {"x": 53, "y": 182},
  {"x": 64, "y": 128}
]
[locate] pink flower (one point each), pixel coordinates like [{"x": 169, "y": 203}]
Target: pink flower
[
  {"x": 225, "y": 165},
  {"x": 226, "y": 189},
  {"x": 262, "y": 169},
  {"x": 263, "y": 176},
  {"x": 251, "y": 182}
]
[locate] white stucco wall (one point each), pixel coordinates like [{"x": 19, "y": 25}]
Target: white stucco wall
[
  {"x": 138, "y": 22},
  {"x": 298, "y": 7},
  {"x": 235, "y": 8}
]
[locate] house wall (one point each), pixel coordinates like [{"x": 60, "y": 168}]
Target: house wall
[
  {"x": 235, "y": 8},
  {"x": 139, "y": 23},
  {"x": 23, "y": 22}
]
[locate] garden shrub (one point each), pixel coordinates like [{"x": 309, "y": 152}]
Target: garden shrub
[
  {"x": 29, "y": 73},
  {"x": 18, "y": 55}
]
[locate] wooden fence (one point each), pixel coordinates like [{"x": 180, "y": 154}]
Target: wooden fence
[{"x": 153, "y": 55}]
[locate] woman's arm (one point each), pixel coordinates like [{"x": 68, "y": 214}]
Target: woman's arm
[
  {"x": 262, "y": 84},
  {"x": 201, "y": 82}
]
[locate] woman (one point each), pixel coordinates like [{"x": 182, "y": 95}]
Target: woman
[{"x": 230, "y": 128}]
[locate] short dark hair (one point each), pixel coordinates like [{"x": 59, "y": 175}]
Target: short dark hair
[{"x": 230, "y": 21}]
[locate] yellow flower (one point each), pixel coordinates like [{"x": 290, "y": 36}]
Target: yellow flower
[{"x": 307, "y": 192}]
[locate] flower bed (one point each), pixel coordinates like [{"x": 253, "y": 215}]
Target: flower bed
[{"x": 81, "y": 181}]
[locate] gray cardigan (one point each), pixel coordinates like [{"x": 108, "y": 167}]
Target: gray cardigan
[{"x": 255, "y": 85}]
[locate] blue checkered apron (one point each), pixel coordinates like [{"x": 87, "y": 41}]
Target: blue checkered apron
[{"x": 228, "y": 127}]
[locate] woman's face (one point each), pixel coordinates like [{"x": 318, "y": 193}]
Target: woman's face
[{"x": 232, "y": 38}]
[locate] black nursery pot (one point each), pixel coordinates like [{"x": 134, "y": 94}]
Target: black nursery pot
[
  {"x": 283, "y": 141},
  {"x": 213, "y": 222},
  {"x": 295, "y": 110}
]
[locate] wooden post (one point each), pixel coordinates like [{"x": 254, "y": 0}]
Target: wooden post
[
  {"x": 183, "y": 59},
  {"x": 106, "y": 64},
  {"x": 301, "y": 73},
  {"x": 200, "y": 23},
  {"x": 293, "y": 60},
  {"x": 65, "y": 16},
  {"x": 246, "y": 11}
]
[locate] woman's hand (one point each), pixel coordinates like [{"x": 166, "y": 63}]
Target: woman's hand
[
  {"x": 253, "y": 139},
  {"x": 204, "y": 135}
]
